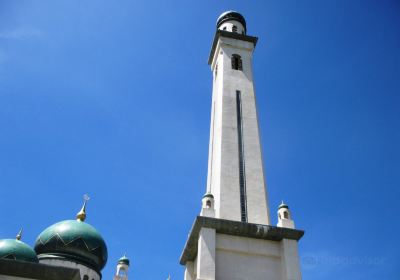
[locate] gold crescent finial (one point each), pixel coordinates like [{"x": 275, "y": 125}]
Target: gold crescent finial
[
  {"x": 81, "y": 216},
  {"x": 19, "y": 235}
]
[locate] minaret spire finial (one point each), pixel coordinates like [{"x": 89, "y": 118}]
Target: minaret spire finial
[
  {"x": 81, "y": 216},
  {"x": 19, "y": 235}
]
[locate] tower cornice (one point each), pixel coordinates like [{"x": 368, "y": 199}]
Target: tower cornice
[
  {"x": 227, "y": 34},
  {"x": 235, "y": 228}
]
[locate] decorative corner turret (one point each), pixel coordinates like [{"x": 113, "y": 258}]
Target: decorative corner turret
[
  {"x": 122, "y": 268},
  {"x": 207, "y": 208},
  {"x": 284, "y": 216}
]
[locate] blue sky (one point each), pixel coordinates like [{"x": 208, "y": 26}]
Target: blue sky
[{"x": 113, "y": 99}]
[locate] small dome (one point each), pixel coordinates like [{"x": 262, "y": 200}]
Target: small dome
[
  {"x": 283, "y": 205},
  {"x": 124, "y": 260},
  {"x": 73, "y": 239},
  {"x": 17, "y": 250},
  {"x": 208, "y": 195},
  {"x": 231, "y": 15}
]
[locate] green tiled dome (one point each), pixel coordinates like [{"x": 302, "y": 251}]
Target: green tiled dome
[
  {"x": 73, "y": 239},
  {"x": 124, "y": 260},
  {"x": 17, "y": 250}
]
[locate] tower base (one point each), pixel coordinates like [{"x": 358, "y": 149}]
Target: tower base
[{"x": 231, "y": 250}]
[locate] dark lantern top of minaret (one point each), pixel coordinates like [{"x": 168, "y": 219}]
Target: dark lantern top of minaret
[{"x": 231, "y": 16}]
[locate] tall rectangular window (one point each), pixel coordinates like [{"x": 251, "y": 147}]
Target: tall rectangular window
[{"x": 236, "y": 61}]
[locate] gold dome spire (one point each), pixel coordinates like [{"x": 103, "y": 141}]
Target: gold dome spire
[
  {"x": 81, "y": 216},
  {"x": 19, "y": 235}
]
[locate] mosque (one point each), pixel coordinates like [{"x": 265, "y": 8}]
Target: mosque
[
  {"x": 70, "y": 249},
  {"x": 232, "y": 238}
]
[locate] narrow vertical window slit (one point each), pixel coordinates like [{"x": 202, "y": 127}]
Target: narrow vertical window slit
[
  {"x": 242, "y": 170},
  {"x": 212, "y": 147}
]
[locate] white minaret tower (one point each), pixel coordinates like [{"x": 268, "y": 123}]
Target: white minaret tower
[
  {"x": 235, "y": 165},
  {"x": 122, "y": 269},
  {"x": 233, "y": 237}
]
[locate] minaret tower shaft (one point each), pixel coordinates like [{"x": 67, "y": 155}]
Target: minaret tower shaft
[
  {"x": 233, "y": 238},
  {"x": 235, "y": 166}
]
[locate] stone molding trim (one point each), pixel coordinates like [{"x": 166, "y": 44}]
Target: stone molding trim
[
  {"x": 235, "y": 228},
  {"x": 232, "y": 35}
]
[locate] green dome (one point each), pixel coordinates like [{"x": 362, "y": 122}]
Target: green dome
[
  {"x": 124, "y": 260},
  {"x": 17, "y": 250},
  {"x": 73, "y": 240}
]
